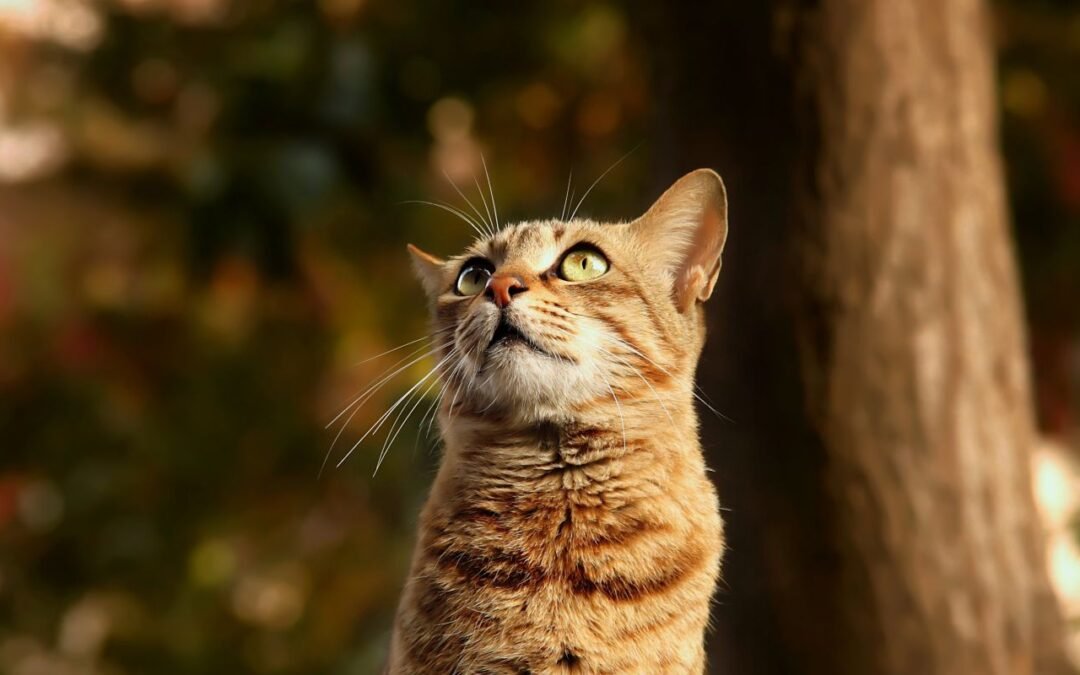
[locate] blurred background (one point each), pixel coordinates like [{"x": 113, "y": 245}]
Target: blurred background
[{"x": 202, "y": 240}]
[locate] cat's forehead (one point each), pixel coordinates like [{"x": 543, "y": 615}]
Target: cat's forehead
[{"x": 535, "y": 241}]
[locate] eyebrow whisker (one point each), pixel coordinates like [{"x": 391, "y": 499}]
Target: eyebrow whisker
[
  {"x": 483, "y": 199},
  {"x": 451, "y": 209},
  {"x": 566, "y": 197},
  {"x": 597, "y": 181},
  {"x": 479, "y": 216},
  {"x": 494, "y": 209}
]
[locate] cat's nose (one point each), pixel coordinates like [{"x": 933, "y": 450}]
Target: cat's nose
[{"x": 503, "y": 287}]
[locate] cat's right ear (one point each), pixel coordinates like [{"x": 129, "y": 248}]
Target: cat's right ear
[
  {"x": 428, "y": 269},
  {"x": 685, "y": 230}
]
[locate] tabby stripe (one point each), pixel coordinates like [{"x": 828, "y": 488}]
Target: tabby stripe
[
  {"x": 487, "y": 517},
  {"x": 648, "y": 370},
  {"x": 514, "y": 238},
  {"x": 499, "y": 569},
  {"x": 623, "y": 589},
  {"x": 677, "y": 616},
  {"x": 620, "y": 535},
  {"x": 658, "y": 322}
]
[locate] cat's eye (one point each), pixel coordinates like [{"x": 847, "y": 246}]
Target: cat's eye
[
  {"x": 583, "y": 263},
  {"x": 473, "y": 278}
]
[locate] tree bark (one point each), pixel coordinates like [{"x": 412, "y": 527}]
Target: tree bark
[
  {"x": 914, "y": 352},
  {"x": 877, "y": 468}
]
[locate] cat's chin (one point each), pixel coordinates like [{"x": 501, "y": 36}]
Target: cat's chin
[
  {"x": 530, "y": 384},
  {"x": 515, "y": 355}
]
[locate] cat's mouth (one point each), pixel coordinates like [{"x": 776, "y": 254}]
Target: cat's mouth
[{"x": 510, "y": 335}]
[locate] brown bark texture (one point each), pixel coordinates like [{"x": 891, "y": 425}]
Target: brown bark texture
[
  {"x": 876, "y": 461},
  {"x": 914, "y": 352}
]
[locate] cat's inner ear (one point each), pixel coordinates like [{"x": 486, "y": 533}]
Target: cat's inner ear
[
  {"x": 428, "y": 268},
  {"x": 687, "y": 227}
]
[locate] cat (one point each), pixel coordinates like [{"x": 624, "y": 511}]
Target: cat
[{"x": 571, "y": 527}]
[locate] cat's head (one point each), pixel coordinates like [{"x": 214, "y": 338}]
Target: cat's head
[{"x": 546, "y": 316}]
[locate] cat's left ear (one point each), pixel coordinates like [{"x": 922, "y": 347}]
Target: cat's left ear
[
  {"x": 687, "y": 226},
  {"x": 428, "y": 269}
]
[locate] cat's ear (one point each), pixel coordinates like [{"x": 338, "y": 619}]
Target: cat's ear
[
  {"x": 687, "y": 227},
  {"x": 428, "y": 269}
]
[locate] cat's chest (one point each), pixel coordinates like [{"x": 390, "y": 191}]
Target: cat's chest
[
  {"x": 572, "y": 547},
  {"x": 574, "y": 574}
]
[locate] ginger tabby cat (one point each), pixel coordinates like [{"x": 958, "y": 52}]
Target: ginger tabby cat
[{"x": 571, "y": 527}]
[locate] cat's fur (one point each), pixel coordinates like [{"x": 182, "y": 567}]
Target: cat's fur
[{"x": 571, "y": 527}]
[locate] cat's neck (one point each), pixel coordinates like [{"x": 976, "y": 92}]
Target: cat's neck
[{"x": 614, "y": 446}]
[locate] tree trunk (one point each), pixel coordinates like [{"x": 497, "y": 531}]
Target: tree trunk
[
  {"x": 882, "y": 519},
  {"x": 913, "y": 349}
]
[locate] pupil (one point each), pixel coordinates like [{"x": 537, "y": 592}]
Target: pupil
[{"x": 584, "y": 263}]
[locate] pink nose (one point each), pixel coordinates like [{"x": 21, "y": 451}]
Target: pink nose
[{"x": 503, "y": 287}]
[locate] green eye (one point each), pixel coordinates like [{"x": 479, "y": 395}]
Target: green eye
[
  {"x": 582, "y": 264},
  {"x": 473, "y": 278}
]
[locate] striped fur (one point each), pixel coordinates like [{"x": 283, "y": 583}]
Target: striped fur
[{"x": 571, "y": 527}]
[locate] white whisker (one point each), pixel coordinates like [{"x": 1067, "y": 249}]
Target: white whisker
[
  {"x": 618, "y": 405},
  {"x": 410, "y": 342},
  {"x": 479, "y": 216},
  {"x": 566, "y": 197},
  {"x": 451, "y": 209},
  {"x": 634, "y": 350},
  {"x": 392, "y": 435},
  {"x": 430, "y": 413},
  {"x": 637, "y": 372},
  {"x": 359, "y": 401},
  {"x": 379, "y": 422},
  {"x": 669, "y": 374},
  {"x": 459, "y": 369},
  {"x": 494, "y": 209},
  {"x": 427, "y": 351},
  {"x": 391, "y": 351},
  {"x": 483, "y": 199},
  {"x": 597, "y": 181}
]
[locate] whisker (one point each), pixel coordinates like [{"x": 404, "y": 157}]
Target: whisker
[
  {"x": 494, "y": 209},
  {"x": 420, "y": 432},
  {"x": 669, "y": 373},
  {"x": 457, "y": 391},
  {"x": 493, "y": 398},
  {"x": 359, "y": 401},
  {"x": 407, "y": 396},
  {"x": 391, "y": 435},
  {"x": 634, "y": 350},
  {"x": 479, "y": 216},
  {"x": 427, "y": 351},
  {"x": 637, "y": 372},
  {"x": 451, "y": 209},
  {"x": 418, "y": 395},
  {"x": 566, "y": 197},
  {"x": 484, "y": 200},
  {"x": 391, "y": 351},
  {"x": 430, "y": 413},
  {"x": 379, "y": 422},
  {"x": 410, "y": 342},
  {"x": 597, "y": 181},
  {"x": 622, "y": 420}
]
